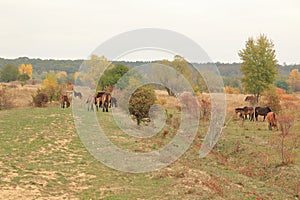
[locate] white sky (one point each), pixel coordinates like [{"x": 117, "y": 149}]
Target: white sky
[{"x": 72, "y": 29}]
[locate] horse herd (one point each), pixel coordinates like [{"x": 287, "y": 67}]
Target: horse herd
[
  {"x": 102, "y": 100},
  {"x": 266, "y": 112}
]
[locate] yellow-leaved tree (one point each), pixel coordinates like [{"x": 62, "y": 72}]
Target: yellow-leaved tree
[
  {"x": 25, "y": 69},
  {"x": 51, "y": 88},
  {"x": 294, "y": 80}
]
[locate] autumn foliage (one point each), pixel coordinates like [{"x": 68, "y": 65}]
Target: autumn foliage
[{"x": 25, "y": 69}]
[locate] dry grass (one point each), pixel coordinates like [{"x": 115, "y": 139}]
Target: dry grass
[{"x": 20, "y": 96}]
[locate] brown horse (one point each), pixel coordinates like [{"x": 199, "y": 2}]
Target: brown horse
[
  {"x": 64, "y": 101},
  {"x": 98, "y": 99},
  {"x": 272, "y": 120},
  {"x": 251, "y": 99},
  {"x": 246, "y": 111},
  {"x": 106, "y": 99}
]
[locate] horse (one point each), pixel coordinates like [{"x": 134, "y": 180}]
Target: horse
[
  {"x": 249, "y": 111},
  {"x": 272, "y": 120},
  {"x": 241, "y": 111},
  {"x": 246, "y": 111},
  {"x": 262, "y": 111},
  {"x": 64, "y": 100},
  {"x": 105, "y": 99},
  {"x": 90, "y": 101},
  {"x": 113, "y": 102},
  {"x": 251, "y": 99},
  {"x": 98, "y": 99},
  {"x": 77, "y": 94}
]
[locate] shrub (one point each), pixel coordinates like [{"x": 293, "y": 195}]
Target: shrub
[
  {"x": 40, "y": 99},
  {"x": 141, "y": 101},
  {"x": 5, "y": 99},
  {"x": 271, "y": 99}
]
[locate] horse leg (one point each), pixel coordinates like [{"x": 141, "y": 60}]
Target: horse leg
[
  {"x": 92, "y": 107},
  {"x": 270, "y": 126},
  {"x": 252, "y": 117}
]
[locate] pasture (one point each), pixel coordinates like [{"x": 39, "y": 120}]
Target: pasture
[{"x": 41, "y": 157}]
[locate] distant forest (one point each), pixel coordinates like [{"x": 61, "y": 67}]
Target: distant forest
[{"x": 43, "y": 66}]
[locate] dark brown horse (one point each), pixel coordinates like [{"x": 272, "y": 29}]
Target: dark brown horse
[
  {"x": 263, "y": 111},
  {"x": 64, "y": 101},
  {"x": 98, "y": 99}
]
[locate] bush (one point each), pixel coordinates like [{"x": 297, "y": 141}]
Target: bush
[
  {"x": 40, "y": 99},
  {"x": 5, "y": 98},
  {"x": 141, "y": 101},
  {"x": 271, "y": 99}
]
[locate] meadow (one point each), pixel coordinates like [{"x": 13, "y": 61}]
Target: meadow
[{"x": 42, "y": 157}]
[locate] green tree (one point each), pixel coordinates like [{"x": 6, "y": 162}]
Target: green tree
[
  {"x": 92, "y": 69},
  {"x": 9, "y": 73},
  {"x": 258, "y": 65},
  {"x": 141, "y": 101},
  {"x": 281, "y": 83},
  {"x": 183, "y": 68},
  {"x": 111, "y": 76},
  {"x": 23, "y": 78}
]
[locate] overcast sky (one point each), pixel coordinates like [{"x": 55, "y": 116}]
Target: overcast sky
[{"x": 72, "y": 29}]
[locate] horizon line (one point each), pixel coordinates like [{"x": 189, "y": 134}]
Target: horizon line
[{"x": 214, "y": 62}]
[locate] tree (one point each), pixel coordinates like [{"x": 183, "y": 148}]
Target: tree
[
  {"x": 51, "y": 88},
  {"x": 183, "y": 68},
  {"x": 294, "y": 80},
  {"x": 258, "y": 65},
  {"x": 23, "y": 78},
  {"x": 141, "y": 101},
  {"x": 9, "y": 73},
  {"x": 112, "y": 75},
  {"x": 62, "y": 77},
  {"x": 92, "y": 69},
  {"x": 281, "y": 83},
  {"x": 25, "y": 69}
]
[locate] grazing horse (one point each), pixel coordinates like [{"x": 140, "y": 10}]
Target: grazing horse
[
  {"x": 246, "y": 111},
  {"x": 98, "y": 99},
  {"x": 64, "y": 100},
  {"x": 105, "y": 99},
  {"x": 90, "y": 101},
  {"x": 77, "y": 94},
  {"x": 249, "y": 111},
  {"x": 251, "y": 99},
  {"x": 241, "y": 111},
  {"x": 272, "y": 120},
  {"x": 262, "y": 111},
  {"x": 113, "y": 102}
]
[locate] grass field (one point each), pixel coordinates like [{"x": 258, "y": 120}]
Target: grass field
[{"x": 41, "y": 157}]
